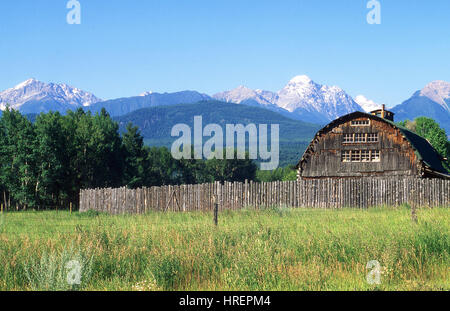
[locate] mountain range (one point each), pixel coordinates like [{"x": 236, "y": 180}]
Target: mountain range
[{"x": 301, "y": 99}]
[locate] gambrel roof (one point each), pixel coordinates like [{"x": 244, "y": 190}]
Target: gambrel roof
[{"x": 430, "y": 159}]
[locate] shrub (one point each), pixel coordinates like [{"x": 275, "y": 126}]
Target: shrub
[{"x": 68, "y": 271}]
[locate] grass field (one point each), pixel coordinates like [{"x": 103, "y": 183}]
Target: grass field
[{"x": 274, "y": 249}]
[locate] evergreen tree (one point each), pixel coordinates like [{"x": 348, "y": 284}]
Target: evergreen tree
[
  {"x": 136, "y": 157},
  {"x": 53, "y": 159},
  {"x": 17, "y": 167},
  {"x": 108, "y": 154},
  {"x": 163, "y": 169},
  {"x": 231, "y": 169},
  {"x": 98, "y": 151},
  {"x": 75, "y": 182}
]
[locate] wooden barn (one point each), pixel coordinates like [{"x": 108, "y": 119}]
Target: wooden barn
[{"x": 361, "y": 144}]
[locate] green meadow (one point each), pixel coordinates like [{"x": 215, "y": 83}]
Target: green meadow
[{"x": 272, "y": 249}]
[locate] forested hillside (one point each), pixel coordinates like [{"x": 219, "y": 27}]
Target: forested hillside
[{"x": 156, "y": 123}]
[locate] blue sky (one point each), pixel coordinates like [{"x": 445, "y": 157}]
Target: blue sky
[{"x": 123, "y": 48}]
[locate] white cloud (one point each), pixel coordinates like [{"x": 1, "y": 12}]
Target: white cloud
[{"x": 367, "y": 104}]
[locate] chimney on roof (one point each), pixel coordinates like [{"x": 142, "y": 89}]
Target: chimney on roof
[{"x": 383, "y": 113}]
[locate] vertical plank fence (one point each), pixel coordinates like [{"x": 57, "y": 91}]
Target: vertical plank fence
[{"x": 321, "y": 193}]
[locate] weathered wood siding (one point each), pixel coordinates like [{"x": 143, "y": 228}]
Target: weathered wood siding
[
  {"x": 324, "y": 158},
  {"x": 318, "y": 193}
]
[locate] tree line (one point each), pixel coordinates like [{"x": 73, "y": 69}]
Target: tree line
[{"x": 45, "y": 163}]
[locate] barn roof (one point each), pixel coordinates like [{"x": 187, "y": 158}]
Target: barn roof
[
  {"x": 422, "y": 148},
  {"x": 425, "y": 152}
]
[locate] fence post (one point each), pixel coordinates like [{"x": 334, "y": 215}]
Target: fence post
[
  {"x": 414, "y": 206},
  {"x": 414, "y": 213},
  {"x": 216, "y": 210}
]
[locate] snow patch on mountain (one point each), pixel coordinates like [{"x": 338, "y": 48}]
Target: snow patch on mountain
[
  {"x": 367, "y": 104},
  {"x": 243, "y": 93},
  {"x": 438, "y": 91},
  {"x": 146, "y": 93},
  {"x": 302, "y": 79}
]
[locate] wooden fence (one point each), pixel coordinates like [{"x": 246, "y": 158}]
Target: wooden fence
[{"x": 323, "y": 193}]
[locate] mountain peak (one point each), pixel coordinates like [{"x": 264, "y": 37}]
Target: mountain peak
[
  {"x": 31, "y": 80},
  {"x": 242, "y": 88},
  {"x": 315, "y": 102},
  {"x": 367, "y": 104},
  {"x": 301, "y": 79},
  {"x": 438, "y": 91},
  {"x": 33, "y": 96},
  {"x": 438, "y": 83},
  {"x": 432, "y": 101},
  {"x": 26, "y": 83}
]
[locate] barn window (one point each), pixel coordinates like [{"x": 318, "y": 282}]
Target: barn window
[
  {"x": 360, "y": 138},
  {"x": 360, "y": 156},
  {"x": 372, "y": 137},
  {"x": 356, "y": 155},
  {"x": 348, "y": 138},
  {"x": 360, "y": 122},
  {"x": 346, "y": 156},
  {"x": 365, "y": 155},
  {"x": 375, "y": 156}
]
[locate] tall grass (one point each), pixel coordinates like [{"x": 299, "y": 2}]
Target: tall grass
[
  {"x": 55, "y": 272},
  {"x": 273, "y": 249}
]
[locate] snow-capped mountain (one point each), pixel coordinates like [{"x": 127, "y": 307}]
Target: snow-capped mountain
[
  {"x": 246, "y": 96},
  {"x": 33, "y": 96},
  {"x": 367, "y": 104},
  {"x": 301, "y": 97},
  {"x": 242, "y": 94},
  {"x": 432, "y": 101},
  {"x": 439, "y": 92}
]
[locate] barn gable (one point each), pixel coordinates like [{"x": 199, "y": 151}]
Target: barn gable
[{"x": 362, "y": 144}]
